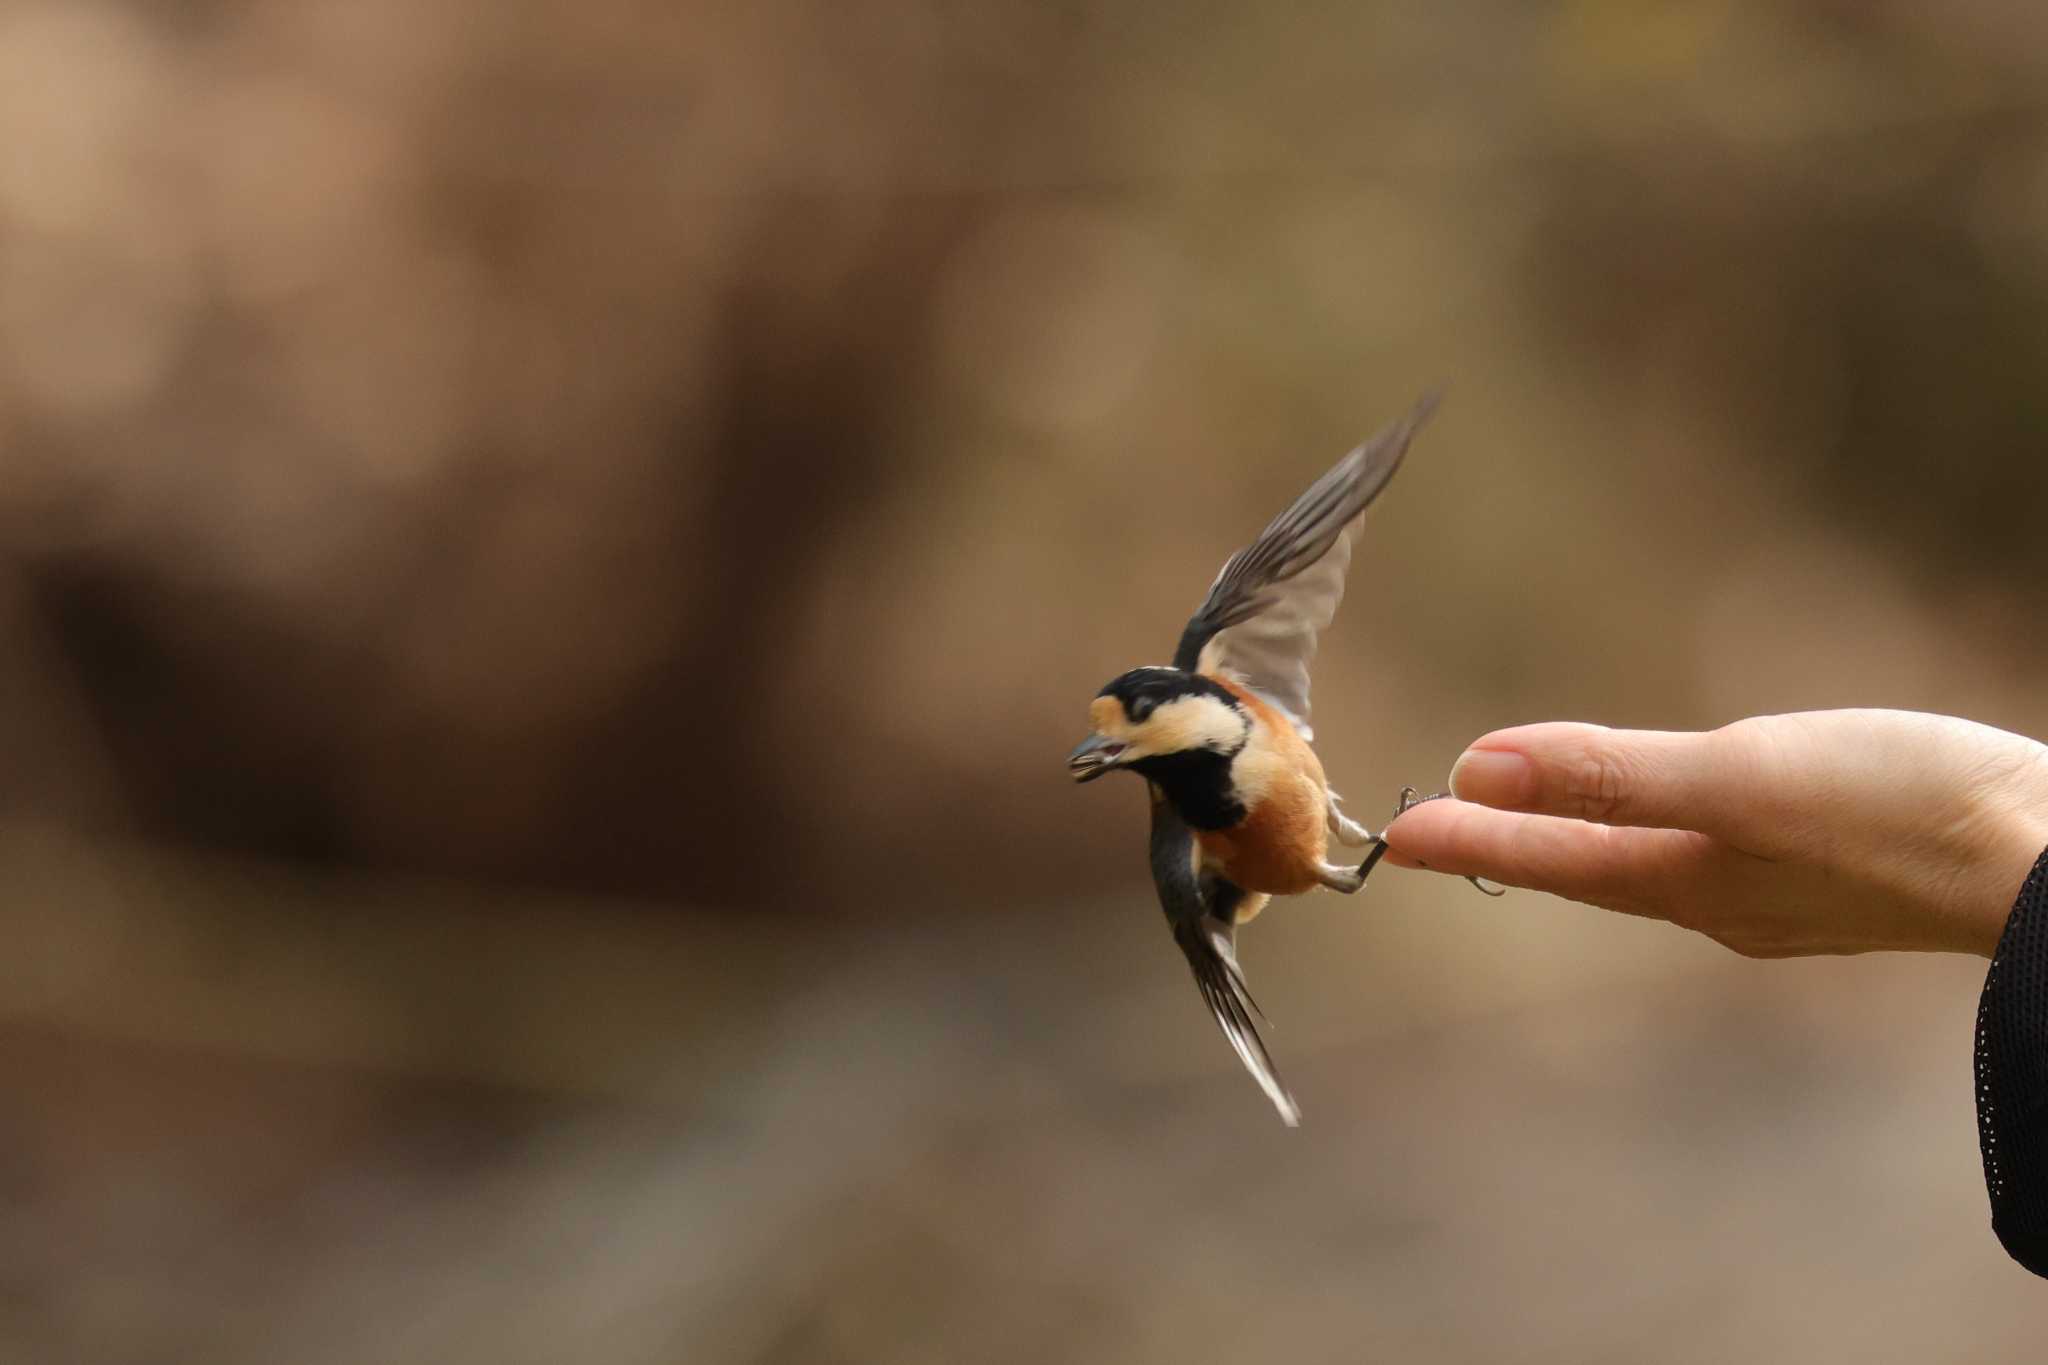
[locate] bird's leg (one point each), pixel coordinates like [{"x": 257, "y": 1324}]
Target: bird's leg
[
  {"x": 1409, "y": 801},
  {"x": 1343, "y": 828},
  {"x": 1343, "y": 879}
]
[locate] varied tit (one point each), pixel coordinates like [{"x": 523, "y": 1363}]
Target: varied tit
[{"x": 1240, "y": 809}]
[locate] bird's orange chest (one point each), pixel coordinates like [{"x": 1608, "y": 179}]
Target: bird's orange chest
[
  {"x": 1274, "y": 850},
  {"x": 1280, "y": 843}
]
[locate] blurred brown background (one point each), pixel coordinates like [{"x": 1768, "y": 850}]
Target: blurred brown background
[{"x": 550, "y": 553}]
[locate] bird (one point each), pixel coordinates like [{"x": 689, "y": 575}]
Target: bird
[{"x": 1241, "y": 809}]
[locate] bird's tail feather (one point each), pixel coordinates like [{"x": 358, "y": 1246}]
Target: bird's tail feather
[{"x": 1212, "y": 954}]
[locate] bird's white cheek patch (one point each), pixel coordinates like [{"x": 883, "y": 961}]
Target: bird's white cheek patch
[
  {"x": 1259, "y": 768},
  {"x": 1192, "y": 723}
]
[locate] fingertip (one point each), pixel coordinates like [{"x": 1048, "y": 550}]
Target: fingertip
[
  {"x": 1486, "y": 773},
  {"x": 1535, "y": 735},
  {"x": 1418, "y": 834},
  {"x": 1493, "y": 777}
]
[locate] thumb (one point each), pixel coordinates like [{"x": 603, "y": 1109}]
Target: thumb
[{"x": 1654, "y": 778}]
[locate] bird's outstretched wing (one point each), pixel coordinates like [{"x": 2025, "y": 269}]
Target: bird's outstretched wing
[
  {"x": 1208, "y": 940},
  {"x": 1260, "y": 619}
]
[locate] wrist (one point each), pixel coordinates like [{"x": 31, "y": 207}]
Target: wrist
[{"x": 2018, "y": 839}]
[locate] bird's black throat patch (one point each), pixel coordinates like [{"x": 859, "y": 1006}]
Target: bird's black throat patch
[{"x": 1197, "y": 781}]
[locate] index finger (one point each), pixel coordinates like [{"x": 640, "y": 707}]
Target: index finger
[{"x": 1637, "y": 871}]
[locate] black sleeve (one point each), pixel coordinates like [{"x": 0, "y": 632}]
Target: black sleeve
[{"x": 2012, "y": 1077}]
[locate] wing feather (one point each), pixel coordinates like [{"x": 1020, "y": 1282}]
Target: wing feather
[
  {"x": 1262, "y": 616},
  {"x": 1201, "y": 926}
]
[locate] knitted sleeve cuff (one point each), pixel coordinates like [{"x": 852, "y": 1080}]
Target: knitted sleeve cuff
[{"x": 2012, "y": 1077}]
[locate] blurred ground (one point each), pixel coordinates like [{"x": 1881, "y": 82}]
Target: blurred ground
[
  {"x": 439, "y": 1128},
  {"x": 549, "y": 554}
]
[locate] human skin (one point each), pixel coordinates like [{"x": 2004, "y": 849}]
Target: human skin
[{"x": 1776, "y": 836}]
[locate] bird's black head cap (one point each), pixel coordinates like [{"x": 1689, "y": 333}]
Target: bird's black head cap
[{"x": 1143, "y": 690}]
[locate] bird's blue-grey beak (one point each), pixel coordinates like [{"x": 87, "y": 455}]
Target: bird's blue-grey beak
[{"x": 1095, "y": 756}]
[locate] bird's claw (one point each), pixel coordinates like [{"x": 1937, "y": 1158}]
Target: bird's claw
[{"x": 1410, "y": 799}]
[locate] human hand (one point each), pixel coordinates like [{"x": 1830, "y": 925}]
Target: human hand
[{"x": 1778, "y": 836}]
